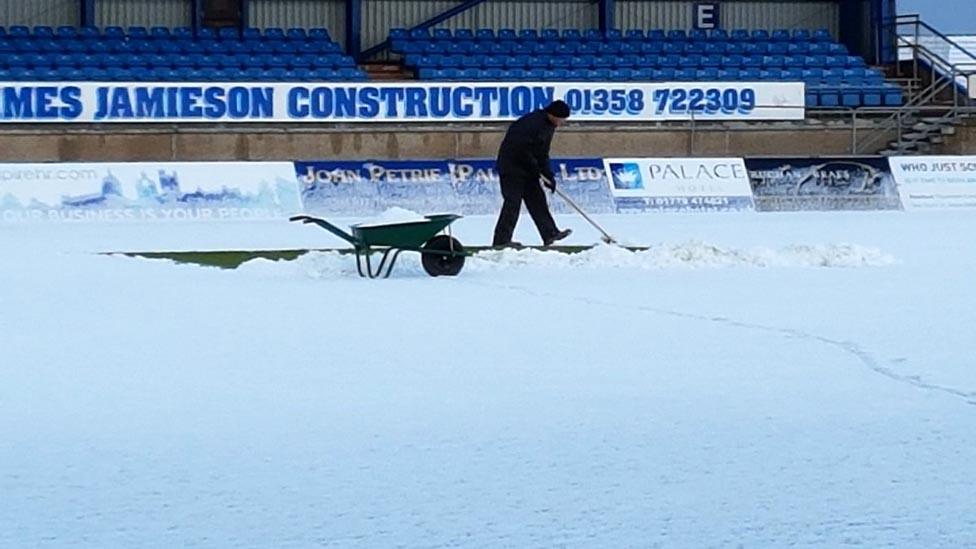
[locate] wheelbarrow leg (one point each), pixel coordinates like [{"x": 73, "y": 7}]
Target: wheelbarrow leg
[{"x": 392, "y": 261}]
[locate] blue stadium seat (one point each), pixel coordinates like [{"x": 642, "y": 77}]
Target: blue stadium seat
[
  {"x": 398, "y": 33},
  {"x": 551, "y": 35},
  {"x": 113, "y": 32},
  {"x": 208, "y": 62},
  {"x": 750, "y": 74},
  {"x": 741, "y": 35},
  {"x": 685, "y": 75},
  {"x": 677, "y": 34},
  {"x": 798, "y": 48},
  {"x": 138, "y": 33},
  {"x": 778, "y": 48},
  {"x": 892, "y": 95},
  {"x": 493, "y": 61},
  {"x": 159, "y": 33},
  {"x": 16, "y": 60},
  {"x": 276, "y": 74},
  {"x": 670, "y": 60},
  {"x": 813, "y": 76},
  {"x": 559, "y": 75},
  {"x": 836, "y": 49},
  {"x": 251, "y": 34},
  {"x": 801, "y": 35},
  {"x": 781, "y": 35},
  {"x": 657, "y": 35},
  {"x": 691, "y": 61},
  {"x": 718, "y": 35},
  {"x": 673, "y": 47},
  {"x": 594, "y": 35},
  {"x": 854, "y": 61},
  {"x": 273, "y": 34},
  {"x": 613, "y": 35},
  {"x": 494, "y": 74},
  {"x": 518, "y": 75},
  {"x": 728, "y": 74},
  {"x": 794, "y": 61},
  {"x": 484, "y": 34},
  {"x": 652, "y": 47},
  {"x": 713, "y": 48},
  {"x": 572, "y": 35},
  {"x": 479, "y": 48},
  {"x": 608, "y": 48},
  {"x": 630, "y": 61},
  {"x": 635, "y": 35},
  {"x": 642, "y": 75},
  {"x": 326, "y": 75},
  {"x": 819, "y": 48},
  {"x": 528, "y": 35},
  {"x": 319, "y": 34},
  {"x": 850, "y": 96},
  {"x": 507, "y": 34},
  {"x": 774, "y": 61},
  {"x": 522, "y": 49},
  {"x": 66, "y": 32},
  {"x": 621, "y": 75},
  {"x": 19, "y": 31},
  {"x": 698, "y": 35},
  {"x": 501, "y": 48},
  {"x": 182, "y": 33},
  {"x": 822, "y": 35},
  {"x": 168, "y": 47},
  {"x": 736, "y": 48},
  {"x": 793, "y": 75},
  {"x": 712, "y": 61},
  {"x": 43, "y": 31},
  {"x": 664, "y": 74},
  {"x": 707, "y": 75},
  {"x": 759, "y": 35},
  {"x": 604, "y": 61},
  {"x": 253, "y": 74},
  {"x": 228, "y": 33},
  {"x": 464, "y": 34},
  {"x": 769, "y": 74},
  {"x": 537, "y": 75},
  {"x": 733, "y": 61},
  {"x": 89, "y": 33},
  {"x": 442, "y": 34},
  {"x": 567, "y": 48}
]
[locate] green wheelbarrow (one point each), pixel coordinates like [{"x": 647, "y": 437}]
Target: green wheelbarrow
[{"x": 440, "y": 254}]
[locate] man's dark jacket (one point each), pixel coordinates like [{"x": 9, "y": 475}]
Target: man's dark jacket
[{"x": 524, "y": 153}]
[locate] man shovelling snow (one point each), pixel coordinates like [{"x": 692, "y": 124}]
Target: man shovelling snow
[{"x": 522, "y": 159}]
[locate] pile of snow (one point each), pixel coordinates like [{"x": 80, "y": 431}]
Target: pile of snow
[
  {"x": 394, "y": 215},
  {"x": 692, "y": 254}
]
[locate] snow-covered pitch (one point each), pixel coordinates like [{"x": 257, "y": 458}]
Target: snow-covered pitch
[{"x": 763, "y": 380}]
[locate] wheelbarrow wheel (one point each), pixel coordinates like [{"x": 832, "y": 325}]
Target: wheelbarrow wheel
[{"x": 442, "y": 264}]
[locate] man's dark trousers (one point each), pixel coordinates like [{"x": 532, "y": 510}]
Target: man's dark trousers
[{"x": 515, "y": 189}]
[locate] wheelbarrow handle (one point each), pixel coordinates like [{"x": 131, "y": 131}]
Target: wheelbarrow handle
[{"x": 327, "y": 226}]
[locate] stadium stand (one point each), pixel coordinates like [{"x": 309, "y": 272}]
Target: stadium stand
[
  {"x": 833, "y": 77},
  {"x": 172, "y": 54}
]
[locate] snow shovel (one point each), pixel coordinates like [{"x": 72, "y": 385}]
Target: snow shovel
[{"x": 606, "y": 236}]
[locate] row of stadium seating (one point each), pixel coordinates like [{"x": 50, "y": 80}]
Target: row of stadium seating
[
  {"x": 239, "y": 61},
  {"x": 620, "y": 48},
  {"x": 867, "y": 77},
  {"x": 635, "y": 61},
  {"x": 175, "y": 46},
  {"x": 184, "y": 74},
  {"x": 576, "y": 35},
  {"x": 271, "y": 34}
]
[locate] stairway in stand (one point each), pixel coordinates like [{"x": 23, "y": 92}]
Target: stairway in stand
[{"x": 387, "y": 71}]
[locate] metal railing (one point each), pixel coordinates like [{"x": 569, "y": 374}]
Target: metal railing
[{"x": 939, "y": 83}]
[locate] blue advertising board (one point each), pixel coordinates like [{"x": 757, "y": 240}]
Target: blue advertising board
[{"x": 468, "y": 187}]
